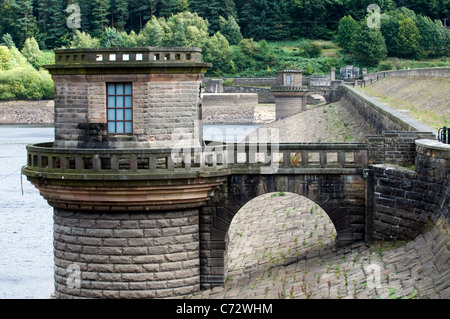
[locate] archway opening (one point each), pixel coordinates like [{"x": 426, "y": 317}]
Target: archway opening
[{"x": 273, "y": 231}]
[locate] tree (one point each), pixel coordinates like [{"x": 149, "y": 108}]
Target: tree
[
  {"x": 152, "y": 34},
  {"x": 211, "y": 10},
  {"x": 346, "y": 32},
  {"x": 84, "y": 40},
  {"x": 230, "y": 30},
  {"x": 179, "y": 34},
  {"x": 280, "y": 29},
  {"x": 168, "y": 8},
  {"x": 5, "y": 56},
  {"x": 8, "y": 41},
  {"x": 31, "y": 51},
  {"x": 430, "y": 36},
  {"x": 369, "y": 46},
  {"x": 100, "y": 13},
  {"x": 24, "y": 20},
  {"x": 217, "y": 51},
  {"x": 408, "y": 38},
  {"x": 111, "y": 38},
  {"x": 261, "y": 19},
  {"x": 120, "y": 14},
  {"x": 389, "y": 29},
  {"x": 309, "y": 17}
]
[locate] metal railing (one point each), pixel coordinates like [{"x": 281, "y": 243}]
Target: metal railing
[{"x": 444, "y": 135}]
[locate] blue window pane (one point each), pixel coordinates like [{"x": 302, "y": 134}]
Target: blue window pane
[
  {"x": 128, "y": 89},
  {"x": 119, "y": 115},
  {"x": 111, "y": 115},
  {"x": 111, "y": 101},
  {"x": 128, "y": 115},
  {"x": 111, "y": 89},
  {"x": 119, "y": 128},
  {"x": 119, "y": 102},
  {"x": 119, "y": 89},
  {"x": 128, "y": 127},
  {"x": 128, "y": 102},
  {"x": 111, "y": 128}
]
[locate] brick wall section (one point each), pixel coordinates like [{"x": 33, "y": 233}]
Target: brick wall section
[
  {"x": 127, "y": 255},
  {"x": 405, "y": 200}
]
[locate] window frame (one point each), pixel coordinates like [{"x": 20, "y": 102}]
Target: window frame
[
  {"x": 116, "y": 109},
  {"x": 288, "y": 79}
]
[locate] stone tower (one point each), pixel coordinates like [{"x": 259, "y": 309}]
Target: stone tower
[
  {"x": 126, "y": 221},
  {"x": 290, "y": 94}
]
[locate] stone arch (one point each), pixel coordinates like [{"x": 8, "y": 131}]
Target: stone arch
[
  {"x": 277, "y": 229},
  {"x": 342, "y": 197}
]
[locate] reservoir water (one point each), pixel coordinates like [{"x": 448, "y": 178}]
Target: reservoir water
[{"x": 26, "y": 220}]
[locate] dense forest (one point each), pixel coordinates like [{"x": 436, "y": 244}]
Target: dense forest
[
  {"x": 272, "y": 20},
  {"x": 240, "y": 37}
]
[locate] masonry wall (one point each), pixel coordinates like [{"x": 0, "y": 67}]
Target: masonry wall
[
  {"x": 394, "y": 147},
  {"x": 162, "y": 104},
  {"x": 424, "y": 72},
  {"x": 379, "y": 116},
  {"x": 406, "y": 200},
  {"x": 286, "y": 106},
  {"x": 126, "y": 255}
]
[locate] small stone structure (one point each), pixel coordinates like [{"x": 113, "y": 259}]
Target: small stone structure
[
  {"x": 290, "y": 94},
  {"x": 349, "y": 72},
  {"x": 157, "y": 91}
]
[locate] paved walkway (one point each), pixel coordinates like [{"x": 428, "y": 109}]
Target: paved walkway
[{"x": 282, "y": 246}]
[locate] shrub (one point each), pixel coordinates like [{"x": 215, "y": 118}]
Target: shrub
[
  {"x": 385, "y": 66},
  {"x": 25, "y": 83},
  {"x": 84, "y": 40}
]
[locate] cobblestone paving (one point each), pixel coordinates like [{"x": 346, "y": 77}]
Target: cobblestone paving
[{"x": 282, "y": 245}]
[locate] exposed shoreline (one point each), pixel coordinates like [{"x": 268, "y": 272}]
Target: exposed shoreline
[{"x": 27, "y": 112}]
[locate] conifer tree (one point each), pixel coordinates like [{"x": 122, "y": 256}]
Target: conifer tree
[
  {"x": 230, "y": 30},
  {"x": 100, "y": 14}
]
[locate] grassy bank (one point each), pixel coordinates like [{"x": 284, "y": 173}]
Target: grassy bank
[{"x": 424, "y": 99}]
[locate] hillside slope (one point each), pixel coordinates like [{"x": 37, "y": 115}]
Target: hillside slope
[{"x": 426, "y": 99}]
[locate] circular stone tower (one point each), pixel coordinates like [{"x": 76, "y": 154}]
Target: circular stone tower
[{"x": 126, "y": 203}]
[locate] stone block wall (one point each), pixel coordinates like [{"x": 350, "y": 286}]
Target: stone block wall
[
  {"x": 286, "y": 106},
  {"x": 392, "y": 147},
  {"x": 162, "y": 104},
  {"x": 126, "y": 255},
  {"x": 406, "y": 200}
]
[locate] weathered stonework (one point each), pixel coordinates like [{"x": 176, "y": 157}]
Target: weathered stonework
[
  {"x": 341, "y": 196},
  {"x": 406, "y": 200},
  {"x": 126, "y": 255}
]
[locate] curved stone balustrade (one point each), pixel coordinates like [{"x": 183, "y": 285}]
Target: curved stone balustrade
[{"x": 151, "y": 179}]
